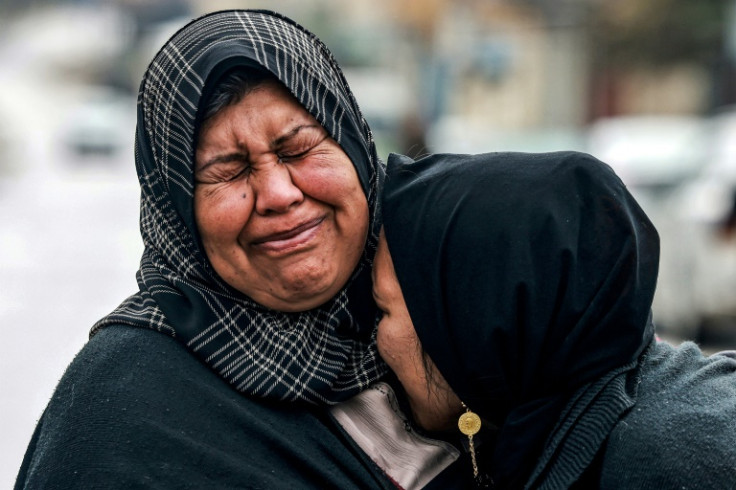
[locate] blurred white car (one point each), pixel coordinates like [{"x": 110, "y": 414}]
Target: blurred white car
[
  {"x": 657, "y": 156},
  {"x": 682, "y": 170},
  {"x": 708, "y": 202},
  {"x": 651, "y": 151},
  {"x": 101, "y": 124}
]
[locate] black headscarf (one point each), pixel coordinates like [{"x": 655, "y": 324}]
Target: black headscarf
[
  {"x": 527, "y": 276},
  {"x": 321, "y": 356}
]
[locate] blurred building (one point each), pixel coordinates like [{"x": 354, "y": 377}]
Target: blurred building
[{"x": 637, "y": 84}]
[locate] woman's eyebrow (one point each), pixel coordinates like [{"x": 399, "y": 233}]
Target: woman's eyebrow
[{"x": 291, "y": 133}]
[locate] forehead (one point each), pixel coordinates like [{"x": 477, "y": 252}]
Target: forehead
[
  {"x": 269, "y": 100},
  {"x": 267, "y": 112},
  {"x": 275, "y": 92}
]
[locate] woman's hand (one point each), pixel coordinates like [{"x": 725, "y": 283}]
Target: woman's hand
[{"x": 434, "y": 405}]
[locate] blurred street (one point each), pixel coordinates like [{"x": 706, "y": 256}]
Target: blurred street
[
  {"x": 69, "y": 241},
  {"x": 468, "y": 76},
  {"x": 68, "y": 254}
]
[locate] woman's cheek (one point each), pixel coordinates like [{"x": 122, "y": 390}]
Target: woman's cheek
[
  {"x": 222, "y": 207},
  {"x": 327, "y": 179}
]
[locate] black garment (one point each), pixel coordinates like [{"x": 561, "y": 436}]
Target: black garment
[
  {"x": 323, "y": 355},
  {"x": 136, "y": 410},
  {"x": 529, "y": 279}
]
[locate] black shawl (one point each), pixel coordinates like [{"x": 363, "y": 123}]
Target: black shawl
[
  {"x": 323, "y": 355},
  {"x": 135, "y": 410},
  {"x": 528, "y": 277}
]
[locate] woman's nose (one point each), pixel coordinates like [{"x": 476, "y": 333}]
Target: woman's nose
[{"x": 276, "y": 192}]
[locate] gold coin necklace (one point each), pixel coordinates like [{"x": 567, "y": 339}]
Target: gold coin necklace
[{"x": 469, "y": 424}]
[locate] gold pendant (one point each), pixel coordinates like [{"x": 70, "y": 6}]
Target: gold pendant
[{"x": 469, "y": 423}]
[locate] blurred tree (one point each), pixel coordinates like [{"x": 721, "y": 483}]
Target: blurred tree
[
  {"x": 659, "y": 32},
  {"x": 655, "y": 36}
]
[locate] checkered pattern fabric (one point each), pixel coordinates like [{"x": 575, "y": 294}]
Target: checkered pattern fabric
[{"x": 320, "y": 356}]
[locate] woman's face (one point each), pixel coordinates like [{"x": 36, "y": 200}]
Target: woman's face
[
  {"x": 278, "y": 204},
  {"x": 433, "y": 403}
]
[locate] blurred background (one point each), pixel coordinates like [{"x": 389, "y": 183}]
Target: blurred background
[{"x": 649, "y": 87}]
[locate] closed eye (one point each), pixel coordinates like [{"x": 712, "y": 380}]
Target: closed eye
[
  {"x": 244, "y": 172},
  {"x": 285, "y": 158},
  {"x": 298, "y": 144},
  {"x": 224, "y": 171}
]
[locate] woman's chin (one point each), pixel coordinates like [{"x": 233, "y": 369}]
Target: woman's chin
[{"x": 299, "y": 295}]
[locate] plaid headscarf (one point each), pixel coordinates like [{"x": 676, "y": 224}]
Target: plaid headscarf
[{"x": 324, "y": 355}]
